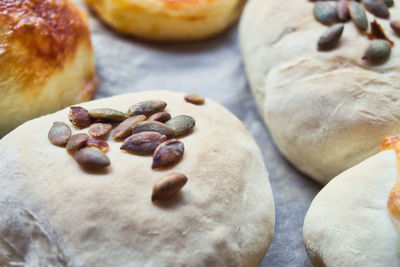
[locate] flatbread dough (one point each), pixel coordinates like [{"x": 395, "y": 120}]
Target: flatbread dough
[
  {"x": 348, "y": 223},
  {"x": 326, "y": 111},
  {"x": 54, "y": 212}
]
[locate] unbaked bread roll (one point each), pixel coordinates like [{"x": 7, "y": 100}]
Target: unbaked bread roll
[
  {"x": 168, "y": 20},
  {"x": 46, "y": 59},
  {"x": 355, "y": 219},
  {"x": 54, "y": 212},
  {"x": 326, "y": 110}
]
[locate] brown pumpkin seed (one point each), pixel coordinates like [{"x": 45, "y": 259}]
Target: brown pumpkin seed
[
  {"x": 147, "y": 108},
  {"x": 76, "y": 142},
  {"x": 167, "y": 153},
  {"x": 395, "y": 26},
  {"x": 325, "y": 13},
  {"x": 124, "y": 129},
  {"x": 59, "y": 133},
  {"x": 377, "y": 32},
  {"x": 342, "y": 8},
  {"x": 107, "y": 114},
  {"x": 154, "y": 126},
  {"x": 143, "y": 143},
  {"x": 160, "y": 117},
  {"x": 91, "y": 158},
  {"x": 181, "y": 125},
  {"x": 331, "y": 37},
  {"x": 358, "y": 15},
  {"x": 168, "y": 186},
  {"x": 389, "y": 3},
  {"x": 99, "y": 129},
  {"x": 99, "y": 144},
  {"x": 378, "y": 51},
  {"x": 377, "y": 7},
  {"x": 194, "y": 99},
  {"x": 79, "y": 117}
]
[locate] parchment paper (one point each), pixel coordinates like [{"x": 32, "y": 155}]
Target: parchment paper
[{"x": 213, "y": 69}]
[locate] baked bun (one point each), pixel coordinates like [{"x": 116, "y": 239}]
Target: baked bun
[
  {"x": 326, "y": 110},
  {"x": 46, "y": 59},
  {"x": 54, "y": 211},
  {"x": 168, "y": 20},
  {"x": 355, "y": 219}
]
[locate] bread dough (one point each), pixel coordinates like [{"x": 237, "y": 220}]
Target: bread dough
[
  {"x": 326, "y": 111},
  {"x": 348, "y": 223},
  {"x": 46, "y": 59},
  {"x": 224, "y": 216},
  {"x": 168, "y": 20}
]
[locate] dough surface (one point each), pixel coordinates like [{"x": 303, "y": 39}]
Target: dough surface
[
  {"x": 348, "y": 223},
  {"x": 224, "y": 216},
  {"x": 168, "y": 20},
  {"x": 326, "y": 111},
  {"x": 46, "y": 59}
]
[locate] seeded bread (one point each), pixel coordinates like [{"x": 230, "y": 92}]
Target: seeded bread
[
  {"x": 168, "y": 20},
  {"x": 348, "y": 223},
  {"x": 56, "y": 213},
  {"x": 46, "y": 59},
  {"x": 326, "y": 110}
]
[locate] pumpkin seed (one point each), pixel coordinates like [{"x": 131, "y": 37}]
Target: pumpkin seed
[
  {"x": 59, "y": 133},
  {"x": 160, "y": 117},
  {"x": 377, "y": 7},
  {"x": 181, "y": 125},
  {"x": 395, "y": 26},
  {"x": 79, "y": 117},
  {"x": 107, "y": 114},
  {"x": 167, "y": 153},
  {"x": 76, "y": 142},
  {"x": 389, "y": 3},
  {"x": 124, "y": 129},
  {"x": 143, "y": 143},
  {"x": 194, "y": 99},
  {"x": 168, "y": 186},
  {"x": 331, "y": 37},
  {"x": 99, "y": 129},
  {"x": 325, "y": 13},
  {"x": 99, "y": 144},
  {"x": 91, "y": 158},
  {"x": 377, "y": 32},
  {"x": 342, "y": 8},
  {"x": 378, "y": 51},
  {"x": 154, "y": 126},
  {"x": 147, "y": 108},
  {"x": 358, "y": 15}
]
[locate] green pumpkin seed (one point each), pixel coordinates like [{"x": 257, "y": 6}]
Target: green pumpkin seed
[
  {"x": 342, "y": 8},
  {"x": 168, "y": 186},
  {"x": 99, "y": 144},
  {"x": 124, "y": 129},
  {"x": 160, "y": 117},
  {"x": 91, "y": 158},
  {"x": 325, "y": 13},
  {"x": 194, "y": 99},
  {"x": 147, "y": 108},
  {"x": 154, "y": 126},
  {"x": 99, "y": 129},
  {"x": 378, "y": 51},
  {"x": 167, "y": 153},
  {"x": 76, "y": 142},
  {"x": 143, "y": 143},
  {"x": 79, "y": 117},
  {"x": 181, "y": 125},
  {"x": 107, "y": 114},
  {"x": 389, "y": 3},
  {"x": 358, "y": 15},
  {"x": 59, "y": 133},
  {"x": 377, "y": 7},
  {"x": 395, "y": 26}
]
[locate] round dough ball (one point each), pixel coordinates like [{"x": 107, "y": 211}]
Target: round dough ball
[
  {"x": 168, "y": 20},
  {"x": 46, "y": 59},
  {"x": 325, "y": 110},
  {"x": 53, "y": 211},
  {"x": 348, "y": 223}
]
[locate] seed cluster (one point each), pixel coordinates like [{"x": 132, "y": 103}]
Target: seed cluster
[
  {"x": 380, "y": 48},
  {"x": 144, "y": 129}
]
